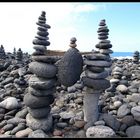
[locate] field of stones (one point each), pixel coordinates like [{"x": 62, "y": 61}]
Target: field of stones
[{"x": 70, "y": 94}]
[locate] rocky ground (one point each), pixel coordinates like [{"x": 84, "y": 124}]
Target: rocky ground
[{"x": 119, "y": 108}]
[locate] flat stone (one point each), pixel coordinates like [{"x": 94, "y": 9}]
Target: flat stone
[
  {"x": 46, "y": 59},
  {"x": 23, "y": 133},
  {"x": 43, "y": 33},
  {"x": 103, "y": 33},
  {"x": 101, "y": 75},
  {"x": 95, "y": 69},
  {"x": 103, "y": 46},
  {"x": 41, "y": 93},
  {"x": 103, "y": 37},
  {"x": 105, "y": 51},
  {"x": 61, "y": 124},
  {"x": 103, "y": 30},
  {"x": 123, "y": 111},
  {"x": 42, "y": 38},
  {"x": 97, "y": 56},
  {"x": 44, "y": 124},
  {"x": 101, "y": 122},
  {"x": 98, "y": 63},
  {"x": 7, "y": 80},
  {"x": 100, "y": 132},
  {"x": 68, "y": 70},
  {"x": 16, "y": 121},
  {"x": 5, "y": 136},
  {"x": 39, "y": 112},
  {"x": 40, "y": 48},
  {"x": 22, "y": 113},
  {"x": 40, "y": 28},
  {"x": 101, "y": 84},
  {"x": 67, "y": 115},
  {"x": 44, "y": 25},
  {"x": 41, "y": 83},
  {"x": 135, "y": 111},
  {"x": 43, "y": 69},
  {"x": 38, "y": 102},
  {"x": 38, "y": 134},
  {"x": 8, "y": 127}
]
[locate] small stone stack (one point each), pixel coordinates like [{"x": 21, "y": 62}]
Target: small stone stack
[
  {"x": 136, "y": 57},
  {"x": 95, "y": 75},
  {"x": 2, "y": 52},
  {"x": 42, "y": 83},
  {"x": 19, "y": 56}
]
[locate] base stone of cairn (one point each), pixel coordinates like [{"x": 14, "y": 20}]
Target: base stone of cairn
[
  {"x": 95, "y": 74},
  {"x": 42, "y": 82},
  {"x": 136, "y": 57},
  {"x": 70, "y": 66}
]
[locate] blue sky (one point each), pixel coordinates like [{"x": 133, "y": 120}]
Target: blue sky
[{"x": 79, "y": 19}]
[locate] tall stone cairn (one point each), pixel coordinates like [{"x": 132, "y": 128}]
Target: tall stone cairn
[
  {"x": 136, "y": 57},
  {"x": 2, "y": 52},
  {"x": 42, "y": 82},
  {"x": 95, "y": 75}
]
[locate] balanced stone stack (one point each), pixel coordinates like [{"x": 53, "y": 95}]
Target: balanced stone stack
[
  {"x": 19, "y": 56},
  {"x": 70, "y": 66},
  {"x": 95, "y": 75},
  {"x": 2, "y": 52},
  {"x": 42, "y": 82},
  {"x": 136, "y": 57}
]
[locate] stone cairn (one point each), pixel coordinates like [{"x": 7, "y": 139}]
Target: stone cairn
[
  {"x": 95, "y": 74},
  {"x": 136, "y": 57},
  {"x": 19, "y": 56},
  {"x": 2, "y": 52},
  {"x": 42, "y": 82}
]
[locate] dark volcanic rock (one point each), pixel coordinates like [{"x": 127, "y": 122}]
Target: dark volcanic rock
[{"x": 70, "y": 67}]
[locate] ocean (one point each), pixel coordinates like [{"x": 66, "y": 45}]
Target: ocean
[{"x": 122, "y": 55}]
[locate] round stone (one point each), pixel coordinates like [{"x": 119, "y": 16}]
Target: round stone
[
  {"x": 101, "y": 84},
  {"x": 41, "y": 42},
  {"x": 43, "y": 69},
  {"x": 122, "y": 88},
  {"x": 41, "y": 83},
  {"x": 68, "y": 70},
  {"x": 41, "y": 93},
  {"x": 44, "y": 124},
  {"x": 100, "y": 131},
  {"x": 136, "y": 113},
  {"x": 39, "y": 112},
  {"x": 73, "y": 45},
  {"x": 38, "y": 102}
]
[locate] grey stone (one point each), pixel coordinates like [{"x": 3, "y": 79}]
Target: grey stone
[
  {"x": 101, "y": 75},
  {"x": 46, "y": 59},
  {"x": 98, "y": 63},
  {"x": 40, "y": 48},
  {"x": 136, "y": 113},
  {"x": 123, "y": 111},
  {"x": 128, "y": 120},
  {"x": 111, "y": 121},
  {"x": 41, "y": 42},
  {"x": 71, "y": 89},
  {"x": 20, "y": 126},
  {"x": 100, "y": 132},
  {"x": 67, "y": 115},
  {"x": 44, "y": 124},
  {"x": 16, "y": 121},
  {"x": 68, "y": 70},
  {"x": 41, "y": 93},
  {"x": 101, "y": 84},
  {"x": 133, "y": 131},
  {"x": 38, "y": 102},
  {"x": 41, "y": 83},
  {"x": 43, "y": 33},
  {"x": 39, "y": 112},
  {"x": 7, "y": 80},
  {"x": 95, "y": 69},
  {"x": 103, "y": 46},
  {"x": 43, "y": 69},
  {"x": 135, "y": 97},
  {"x": 38, "y": 134},
  {"x": 8, "y": 127},
  {"x": 5, "y": 136},
  {"x": 22, "y": 113},
  {"x": 122, "y": 88},
  {"x": 105, "y": 51},
  {"x": 61, "y": 124}
]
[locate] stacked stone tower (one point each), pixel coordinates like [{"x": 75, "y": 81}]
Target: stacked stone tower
[
  {"x": 136, "y": 57},
  {"x": 42, "y": 82},
  {"x": 2, "y": 52},
  {"x": 96, "y": 74},
  {"x": 19, "y": 55}
]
